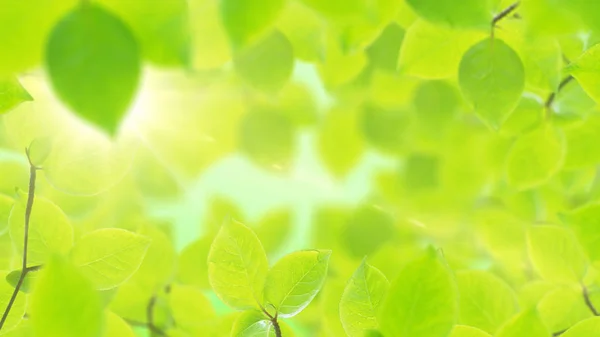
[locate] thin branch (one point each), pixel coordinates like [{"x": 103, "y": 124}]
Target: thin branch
[
  {"x": 276, "y": 326},
  {"x": 558, "y": 333},
  {"x": 588, "y": 301},
  {"x": 24, "y": 270},
  {"x": 150, "y": 318},
  {"x": 505, "y": 13},
  {"x": 552, "y": 97}
]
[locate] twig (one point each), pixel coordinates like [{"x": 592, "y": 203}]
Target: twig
[
  {"x": 24, "y": 270},
  {"x": 150, "y": 318},
  {"x": 276, "y": 326},
  {"x": 558, "y": 333},
  {"x": 588, "y": 301},
  {"x": 552, "y": 97},
  {"x": 505, "y": 13}
]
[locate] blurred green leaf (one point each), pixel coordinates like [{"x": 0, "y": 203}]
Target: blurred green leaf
[
  {"x": 486, "y": 302},
  {"x": 589, "y": 328},
  {"x": 467, "y": 331},
  {"x": 463, "y": 14},
  {"x": 246, "y": 20},
  {"x": 492, "y": 78},
  {"x": 556, "y": 255},
  {"x": 64, "y": 303},
  {"x": 526, "y": 323},
  {"x": 422, "y": 301},
  {"x": 94, "y": 65},
  {"x": 12, "y": 94},
  {"x": 535, "y": 157},
  {"x": 266, "y": 64}
]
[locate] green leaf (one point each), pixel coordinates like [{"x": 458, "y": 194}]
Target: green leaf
[
  {"x": 158, "y": 267},
  {"x": 6, "y": 204},
  {"x": 192, "y": 264},
  {"x": 255, "y": 324},
  {"x": 467, "y": 331},
  {"x": 295, "y": 280},
  {"x": 384, "y": 128},
  {"x": 49, "y": 230},
  {"x": 64, "y": 303},
  {"x": 368, "y": 228},
  {"x": 245, "y": 20},
  {"x": 588, "y": 328},
  {"x": 161, "y": 27},
  {"x": 580, "y": 144},
  {"x": 433, "y": 51},
  {"x": 587, "y": 71},
  {"x": 94, "y": 65},
  {"x": 266, "y": 64},
  {"x": 422, "y": 301},
  {"x": 12, "y": 94},
  {"x": 13, "y": 279},
  {"x": 304, "y": 28},
  {"x": 486, "y": 302},
  {"x": 362, "y": 299},
  {"x": 109, "y": 256},
  {"x": 585, "y": 221},
  {"x": 208, "y": 51},
  {"x": 527, "y": 323},
  {"x": 237, "y": 266},
  {"x": 492, "y": 78},
  {"x": 29, "y": 27},
  {"x": 116, "y": 326},
  {"x": 462, "y": 14},
  {"x": 535, "y": 158},
  {"x": 562, "y": 308},
  {"x": 383, "y": 52},
  {"x": 555, "y": 254},
  {"x": 340, "y": 129},
  {"x": 18, "y": 310},
  {"x": 273, "y": 229},
  {"x": 267, "y": 137},
  {"x": 436, "y": 104},
  {"x": 190, "y": 308}
]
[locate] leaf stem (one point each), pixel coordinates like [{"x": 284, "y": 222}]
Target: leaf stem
[
  {"x": 276, "y": 326},
  {"x": 552, "y": 97},
  {"x": 24, "y": 270},
  {"x": 588, "y": 301}
]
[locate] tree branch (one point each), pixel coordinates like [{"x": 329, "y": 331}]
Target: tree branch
[
  {"x": 552, "y": 96},
  {"x": 24, "y": 270},
  {"x": 505, "y": 13},
  {"x": 276, "y": 326},
  {"x": 588, "y": 301},
  {"x": 150, "y": 318}
]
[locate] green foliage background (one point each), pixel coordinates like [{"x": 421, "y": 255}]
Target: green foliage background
[{"x": 422, "y": 168}]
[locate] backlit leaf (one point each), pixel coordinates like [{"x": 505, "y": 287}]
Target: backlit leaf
[
  {"x": 49, "y": 229},
  {"x": 294, "y": 281},
  {"x": 109, "y": 257},
  {"x": 237, "y": 266},
  {"x": 556, "y": 254},
  {"x": 361, "y": 300},
  {"x": 422, "y": 301},
  {"x": 535, "y": 157}
]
